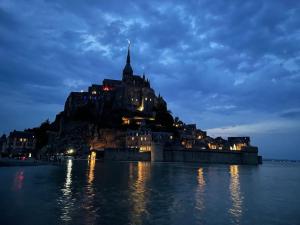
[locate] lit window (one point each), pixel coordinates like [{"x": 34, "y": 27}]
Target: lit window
[
  {"x": 94, "y": 92},
  {"x": 137, "y": 134},
  {"x": 142, "y": 138},
  {"x": 132, "y": 138},
  {"x": 150, "y": 99},
  {"x": 132, "y": 99},
  {"x": 146, "y": 99},
  {"x": 171, "y": 137},
  {"x": 136, "y": 100}
]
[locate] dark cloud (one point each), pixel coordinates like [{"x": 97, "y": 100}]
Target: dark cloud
[
  {"x": 291, "y": 114},
  {"x": 219, "y": 63}
]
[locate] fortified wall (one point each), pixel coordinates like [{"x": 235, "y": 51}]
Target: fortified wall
[{"x": 160, "y": 154}]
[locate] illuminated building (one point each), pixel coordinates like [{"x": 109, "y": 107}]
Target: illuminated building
[
  {"x": 132, "y": 93},
  {"x": 19, "y": 142},
  {"x": 238, "y": 143},
  {"x": 143, "y": 139}
]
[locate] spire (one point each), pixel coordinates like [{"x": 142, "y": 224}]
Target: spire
[
  {"x": 127, "y": 71},
  {"x": 128, "y": 54}
]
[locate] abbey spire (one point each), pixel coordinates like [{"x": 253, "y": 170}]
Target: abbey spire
[{"x": 127, "y": 71}]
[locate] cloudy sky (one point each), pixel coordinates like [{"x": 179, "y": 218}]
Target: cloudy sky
[{"x": 231, "y": 67}]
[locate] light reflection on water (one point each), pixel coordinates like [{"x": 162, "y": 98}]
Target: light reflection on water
[
  {"x": 95, "y": 192},
  {"x": 89, "y": 194},
  {"x": 18, "y": 181},
  {"x": 138, "y": 196},
  {"x": 200, "y": 190},
  {"x": 91, "y": 170},
  {"x": 236, "y": 196},
  {"x": 66, "y": 201}
]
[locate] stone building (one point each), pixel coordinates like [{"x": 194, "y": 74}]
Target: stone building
[
  {"x": 19, "y": 142},
  {"x": 238, "y": 143},
  {"x": 143, "y": 139},
  {"x": 133, "y": 93}
]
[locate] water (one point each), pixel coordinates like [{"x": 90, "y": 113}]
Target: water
[{"x": 81, "y": 192}]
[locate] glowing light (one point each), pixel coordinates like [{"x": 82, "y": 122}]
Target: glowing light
[
  {"x": 141, "y": 107},
  {"x": 212, "y": 146},
  {"x": 70, "y": 151},
  {"x": 94, "y": 92},
  {"x": 125, "y": 120},
  {"x": 145, "y": 148},
  {"x": 107, "y": 88},
  {"x": 29, "y": 155}
]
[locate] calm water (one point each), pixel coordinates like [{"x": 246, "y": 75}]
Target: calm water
[{"x": 119, "y": 193}]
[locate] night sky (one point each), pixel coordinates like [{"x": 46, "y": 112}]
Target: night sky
[{"x": 231, "y": 67}]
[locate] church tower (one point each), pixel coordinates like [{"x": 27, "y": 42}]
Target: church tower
[{"x": 127, "y": 71}]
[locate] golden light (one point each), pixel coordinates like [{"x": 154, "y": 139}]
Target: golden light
[
  {"x": 145, "y": 148},
  {"x": 125, "y": 120},
  {"x": 93, "y": 155},
  {"x": 201, "y": 180},
  {"x": 92, "y": 162},
  {"x": 70, "y": 151},
  {"x": 141, "y": 107},
  {"x": 236, "y": 195}
]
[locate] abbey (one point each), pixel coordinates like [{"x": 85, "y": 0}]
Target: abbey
[{"x": 132, "y": 93}]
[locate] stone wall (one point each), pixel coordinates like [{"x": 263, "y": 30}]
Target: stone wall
[
  {"x": 227, "y": 157},
  {"x": 168, "y": 155},
  {"x": 117, "y": 154}
]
